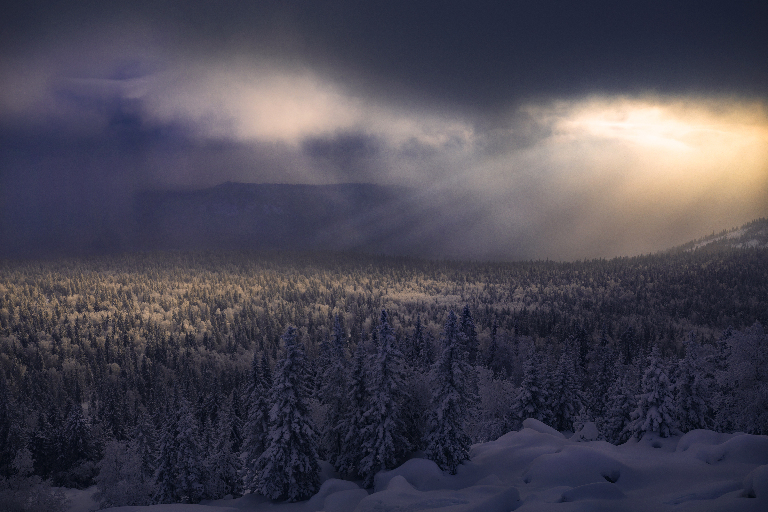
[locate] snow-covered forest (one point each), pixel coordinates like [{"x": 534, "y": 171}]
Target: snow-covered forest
[{"x": 189, "y": 377}]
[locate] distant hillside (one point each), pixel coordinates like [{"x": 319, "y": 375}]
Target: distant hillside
[
  {"x": 428, "y": 222},
  {"x": 272, "y": 216},
  {"x": 752, "y": 234}
]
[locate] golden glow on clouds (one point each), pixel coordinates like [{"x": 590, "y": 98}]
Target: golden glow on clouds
[
  {"x": 671, "y": 147},
  {"x": 273, "y": 104},
  {"x": 656, "y": 168}
]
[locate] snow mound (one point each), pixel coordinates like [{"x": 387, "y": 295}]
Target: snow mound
[
  {"x": 535, "y": 471},
  {"x": 329, "y": 488},
  {"x": 742, "y": 448},
  {"x": 574, "y": 466},
  {"x": 756, "y": 484},
  {"x": 403, "y": 497},
  {"x": 344, "y": 501},
  {"x": 596, "y": 491},
  {"x": 538, "y": 426},
  {"x": 508, "y": 456},
  {"x": 422, "y": 474},
  {"x": 177, "y": 507},
  {"x": 588, "y": 432},
  {"x": 699, "y": 438}
]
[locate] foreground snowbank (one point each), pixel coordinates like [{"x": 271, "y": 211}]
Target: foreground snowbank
[{"x": 538, "y": 469}]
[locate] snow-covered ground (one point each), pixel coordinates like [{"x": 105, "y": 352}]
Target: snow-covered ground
[{"x": 538, "y": 469}]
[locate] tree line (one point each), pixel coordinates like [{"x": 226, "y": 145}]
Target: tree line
[{"x": 165, "y": 377}]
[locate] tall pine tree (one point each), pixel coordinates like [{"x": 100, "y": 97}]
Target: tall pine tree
[
  {"x": 353, "y": 421},
  {"x": 655, "y": 404},
  {"x": 257, "y": 424},
  {"x": 333, "y": 393},
  {"x": 566, "y": 402},
  {"x": 384, "y": 438},
  {"x": 289, "y": 468},
  {"x": 692, "y": 389},
  {"x": 532, "y": 399},
  {"x": 452, "y": 401}
]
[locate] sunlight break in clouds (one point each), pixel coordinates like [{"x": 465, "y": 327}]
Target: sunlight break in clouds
[
  {"x": 627, "y": 175},
  {"x": 697, "y": 142}
]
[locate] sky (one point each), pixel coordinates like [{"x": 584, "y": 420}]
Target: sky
[{"x": 569, "y": 129}]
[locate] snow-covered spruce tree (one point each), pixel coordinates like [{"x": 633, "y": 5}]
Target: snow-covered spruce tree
[
  {"x": 333, "y": 393},
  {"x": 120, "y": 481},
  {"x": 23, "y": 491},
  {"x": 256, "y": 429},
  {"x": 423, "y": 346},
  {"x": 494, "y": 417},
  {"x": 565, "y": 401},
  {"x": 223, "y": 464},
  {"x": 12, "y": 436},
  {"x": 190, "y": 456},
  {"x": 384, "y": 439},
  {"x": 602, "y": 376},
  {"x": 620, "y": 403},
  {"x": 656, "y": 402},
  {"x": 723, "y": 400},
  {"x": 165, "y": 464},
  {"x": 532, "y": 400},
  {"x": 470, "y": 335},
  {"x": 692, "y": 389},
  {"x": 144, "y": 435},
  {"x": 746, "y": 378},
  {"x": 452, "y": 401},
  {"x": 289, "y": 468},
  {"x": 353, "y": 421}
]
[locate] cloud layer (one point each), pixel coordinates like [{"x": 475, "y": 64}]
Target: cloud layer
[{"x": 568, "y": 131}]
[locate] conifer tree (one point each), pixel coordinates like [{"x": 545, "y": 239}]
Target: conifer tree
[
  {"x": 333, "y": 393},
  {"x": 619, "y": 407},
  {"x": 565, "y": 402},
  {"x": 165, "y": 464},
  {"x": 289, "y": 468},
  {"x": 223, "y": 464},
  {"x": 452, "y": 401},
  {"x": 746, "y": 379},
  {"x": 532, "y": 400},
  {"x": 691, "y": 390},
  {"x": 602, "y": 371},
  {"x": 76, "y": 435},
  {"x": 422, "y": 346},
  {"x": 384, "y": 439},
  {"x": 256, "y": 427},
  {"x": 470, "y": 335},
  {"x": 353, "y": 421},
  {"x": 190, "y": 456},
  {"x": 655, "y": 404},
  {"x": 144, "y": 437},
  {"x": 120, "y": 481}
]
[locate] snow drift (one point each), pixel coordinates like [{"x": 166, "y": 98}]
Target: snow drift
[{"x": 539, "y": 469}]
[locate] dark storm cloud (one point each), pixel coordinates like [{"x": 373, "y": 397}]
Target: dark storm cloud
[
  {"x": 561, "y": 126},
  {"x": 478, "y": 53}
]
